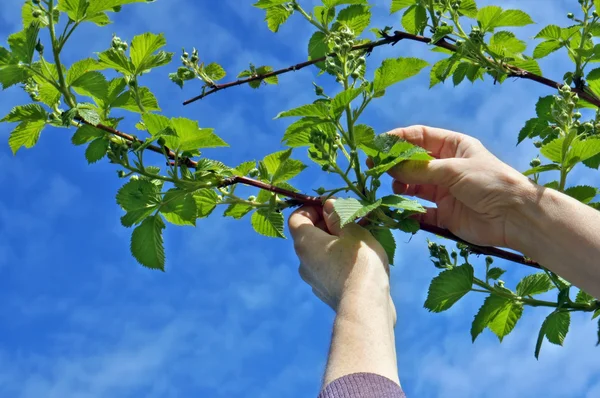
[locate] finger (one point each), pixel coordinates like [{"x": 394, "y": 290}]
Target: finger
[
  {"x": 430, "y": 217},
  {"x": 306, "y": 216},
  {"x": 439, "y": 143},
  {"x": 442, "y": 172},
  {"x": 331, "y": 218},
  {"x": 425, "y": 192}
]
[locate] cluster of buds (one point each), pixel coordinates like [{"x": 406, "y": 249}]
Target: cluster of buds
[
  {"x": 439, "y": 255},
  {"x": 563, "y": 108},
  {"x": 346, "y": 62},
  {"x": 31, "y": 88},
  {"x": 118, "y": 148},
  {"x": 119, "y": 45},
  {"x": 186, "y": 60},
  {"x": 324, "y": 148}
]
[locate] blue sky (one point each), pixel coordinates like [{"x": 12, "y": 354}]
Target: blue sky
[{"x": 231, "y": 317}]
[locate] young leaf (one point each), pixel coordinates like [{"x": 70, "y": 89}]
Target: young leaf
[
  {"x": 206, "y": 201},
  {"x": 342, "y": 100},
  {"x": 22, "y": 44},
  {"x": 26, "y": 113},
  {"x": 25, "y": 134},
  {"x": 490, "y": 308},
  {"x": 144, "y": 55},
  {"x": 11, "y": 75},
  {"x": 139, "y": 198},
  {"x": 238, "y": 210},
  {"x": 546, "y": 48},
  {"x": 287, "y": 170},
  {"x": 91, "y": 84},
  {"x": 505, "y": 319},
  {"x": 534, "y": 284},
  {"x": 414, "y": 19},
  {"x": 398, "y": 5},
  {"x": 273, "y": 161},
  {"x": 277, "y": 16},
  {"x": 85, "y": 134},
  {"x": 215, "y": 71},
  {"x": 584, "y": 194},
  {"x": 350, "y": 209},
  {"x": 532, "y": 128},
  {"x": 495, "y": 273},
  {"x": 556, "y": 326},
  {"x": 117, "y": 60},
  {"x": 268, "y": 223},
  {"x": 387, "y": 241},
  {"x": 190, "y": 136},
  {"x": 553, "y": 150},
  {"x": 179, "y": 207},
  {"x": 127, "y": 101},
  {"x": 393, "y": 71},
  {"x": 147, "y": 243},
  {"x": 318, "y": 48},
  {"x": 96, "y": 150},
  {"x": 318, "y": 110},
  {"x": 449, "y": 287},
  {"x": 550, "y": 32},
  {"x": 356, "y": 17},
  {"x": 583, "y": 297},
  {"x": 400, "y": 202},
  {"x": 298, "y": 133},
  {"x": 582, "y": 150}
]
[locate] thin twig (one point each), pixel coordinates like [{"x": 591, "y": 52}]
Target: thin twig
[{"x": 393, "y": 39}]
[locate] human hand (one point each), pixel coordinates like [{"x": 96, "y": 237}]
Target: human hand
[
  {"x": 338, "y": 262},
  {"x": 476, "y": 194}
]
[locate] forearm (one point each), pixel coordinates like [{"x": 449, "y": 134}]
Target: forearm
[
  {"x": 363, "y": 335},
  {"x": 560, "y": 233}
]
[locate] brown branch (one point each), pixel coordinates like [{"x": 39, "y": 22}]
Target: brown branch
[
  {"x": 393, "y": 39},
  {"x": 315, "y": 201}
]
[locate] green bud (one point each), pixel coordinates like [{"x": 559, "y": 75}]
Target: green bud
[
  {"x": 325, "y": 167},
  {"x": 570, "y": 15},
  {"x": 36, "y": 13},
  {"x": 121, "y": 174},
  {"x": 535, "y": 162},
  {"x": 595, "y": 14},
  {"x": 577, "y": 115},
  {"x": 320, "y": 191},
  {"x": 253, "y": 173},
  {"x": 376, "y": 183},
  {"x": 489, "y": 261},
  {"x": 251, "y": 198},
  {"x": 454, "y": 255},
  {"x": 355, "y": 75},
  {"x": 537, "y": 143},
  {"x": 39, "y": 47}
]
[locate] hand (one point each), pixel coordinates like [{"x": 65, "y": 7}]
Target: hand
[
  {"x": 337, "y": 262},
  {"x": 474, "y": 191}
]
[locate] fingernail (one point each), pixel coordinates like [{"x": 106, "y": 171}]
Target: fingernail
[{"x": 328, "y": 207}]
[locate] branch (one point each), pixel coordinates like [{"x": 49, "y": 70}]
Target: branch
[
  {"x": 393, "y": 39},
  {"x": 316, "y": 201}
]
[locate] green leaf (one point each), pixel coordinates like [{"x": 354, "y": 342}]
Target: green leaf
[
  {"x": 298, "y": 133},
  {"x": 88, "y": 113},
  {"x": 287, "y": 170},
  {"x": 244, "y": 168},
  {"x": 22, "y": 44},
  {"x": 356, "y": 17},
  {"x": 393, "y": 71},
  {"x": 556, "y": 326},
  {"x": 363, "y": 134},
  {"x": 318, "y": 48},
  {"x": 319, "y": 110},
  {"x": 25, "y": 134},
  {"x": 542, "y": 169},
  {"x": 505, "y": 319},
  {"x": 553, "y": 150},
  {"x": 414, "y": 20},
  {"x": 506, "y": 43},
  {"x": 268, "y": 223},
  {"x": 85, "y": 134},
  {"x": 513, "y": 18},
  {"x": 80, "y": 68},
  {"x": 442, "y": 69},
  {"x": 145, "y": 54},
  {"x": 28, "y": 18},
  {"x": 534, "y": 284},
  {"x": 530, "y": 65},
  {"x": 277, "y": 16},
  {"x": 546, "y": 48},
  {"x": 488, "y": 311},
  {"x": 5, "y": 57},
  {"x": 387, "y": 241},
  {"x": 334, "y": 3},
  {"x": 532, "y": 128},
  {"x": 238, "y": 210},
  {"x": 127, "y": 101},
  {"x": 139, "y": 198},
  {"x": 91, "y": 84},
  {"x": 265, "y": 4},
  {"x": 273, "y": 161},
  {"x": 342, "y": 100},
  {"x": 26, "y": 113},
  {"x": 147, "y": 243},
  {"x": 11, "y": 75},
  {"x": 582, "y": 193},
  {"x": 412, "y": 153},
  {"x": 468, "y": 8},
  {"x": 460, "y": 73},
  {"x": 487, "y": 17},
  {"x": 583, "y": 297},
  {"x": 97, "y": 6},
  {"x": 324, "y": 15},
  {"x": 206, "y": 201},
  {"x": 179, "y": 207},
  {"x": 495, "y": 273},
  {"x": 400, "y": 202},
  {"x": 550, "y": 32},
  {"x": 350, "y": 209},
  {"x": 117, "y": 60},
  {"x": 96, "y": 150},
  {"x": 449, "y": 287},
  {"x": 582, "y": 150},
  {"x": 216, "y": 71},
  {"x": 190, "y": 136},
  {"x": 398, "y": 5}
]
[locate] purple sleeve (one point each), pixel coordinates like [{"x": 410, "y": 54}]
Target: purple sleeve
[{"x": 362, "y": 385}]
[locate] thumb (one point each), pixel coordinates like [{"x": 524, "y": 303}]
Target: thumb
[{"x": 331, "y": 218}]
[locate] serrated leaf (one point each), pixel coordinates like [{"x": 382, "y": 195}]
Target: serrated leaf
[
  {"x": 117, "y": 60},
  {"x": 506, "y": 43},
  {"x": 215, "y": 71},
  {"x": 582, "y": 150},
  {"x": 96, "y": 150},
  {"x": 244, "y": 168},
  {"x": 582, "y": 193},
  {"x": 190, "y": 136},
  {"x": 356, "y": 17},
  {"x": 398, "y": 5},
  {"x": 273, "y": 161},
  {"x": 460, "y": 73},
  {"x": 145, "y": 54},
  {"x": 495, "y": 273},
  {"x": 25, "y": 135},
  {"x": 532, "y": 128},
  {"x": 287, "y": 170},
  {"x": 324, "y": 15},
  {"x": 206, "y": 201},
  {"x": 277, "y": 16},
  {"x": 400, "y": 202},
  {"x": 550, "y": 32},
  {"x": 11, "y": 75},
  {"x": 442, "y": 69},
  {"x": 238, "y": 210},
  {"x": 298, "y": 133},
  {"x": 583, "y": 297},
  {"x": 490, "y": 308},
  {"x": 179, "y": 207},
  {"x": 505, "y": 319},
  {"x": 350, "y": 209},
  {"x": 139, "y": 198},
  {"x": 268, "y": 223},
  {"x": 91, "y": 84},
  {"x": 553, "y": 150},
  {"x": 513, "y": 18},
  {"x": 319, "y": 110},
  {"x": 318, "y": 48},
  {"x": 393, "y": 71},
  {"x": 556, "y": 326},
  {"x": 546, "y": 48},
  {"x": 22, "y": 44},
  {"x": 468, "y": 8},
  {"x": 26, "y": 113},
  {"x": 542, "y": 169},
  {"x": 530, "y": 65},
  {"x": 147, "y": 243},
  {"x": 344, "y": 99},
  {"x": 414, "y": 19},
  {"x": 88, "y": 114},
  {"x": 127, "y": 101},
  {"x": 449, "y": 287},
  {"x": 85, "y": 134},
  {"x": 387, "y": 241},
  {"x": 534, "y": 284}
]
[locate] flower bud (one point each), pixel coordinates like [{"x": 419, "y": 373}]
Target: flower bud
[
  {"x": 570, "y": 15},
  {"x": 535, "y": 162},
  {"x": 251, "y": 198}
]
